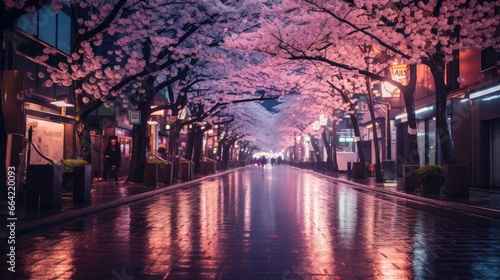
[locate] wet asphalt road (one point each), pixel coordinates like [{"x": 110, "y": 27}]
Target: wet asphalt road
[{"x": 272, "y": 223}]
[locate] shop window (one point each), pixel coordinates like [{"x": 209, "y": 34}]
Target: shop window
[
  {"x": 421, "y": 142},
  {"x": 432, "y": 141}
]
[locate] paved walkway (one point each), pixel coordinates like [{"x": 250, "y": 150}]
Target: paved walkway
[
  {"x": 105, "y": 195},
  {"x": 272, "y": 223}
]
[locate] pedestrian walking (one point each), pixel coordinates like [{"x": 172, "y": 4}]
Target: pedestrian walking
[{"x": 112, "y": 158}]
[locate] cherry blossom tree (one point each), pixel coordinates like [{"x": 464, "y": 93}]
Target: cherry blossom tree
[
  {"x": 331, "y": 41},
  {"x": 431, "y": 33},
  {"x": 143, "y": 54}
]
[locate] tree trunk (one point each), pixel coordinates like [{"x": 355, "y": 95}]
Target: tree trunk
[
  {"x": 140, "y": 141},
  {"x": 414, "y": 157},
  {"x": 355, "y": 125},
  {"x": 190, "y": 142},
  {"x": 82, "y": 130},
  {"x": 314, "y": 143},
  {"x": 328, "y": 145},
  {"x": 198, "y": 149},
  {"x": 409, "y": 98},
  {"x": 173, "y": 140},
  {"x": 437, "y": 68},
  {"x": 334, "y": 144},
  {"x": 225, "y": 155},
  {"x": 357, "y": 134},
  {"x": 378, "y": 166},
  {"x": 83, "y": 133},
  {"x": 334, "y": 148}
]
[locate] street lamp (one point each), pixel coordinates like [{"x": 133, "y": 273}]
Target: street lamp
[{"x": 62, "y": 101}]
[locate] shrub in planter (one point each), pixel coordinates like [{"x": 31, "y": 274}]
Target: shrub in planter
[
  {"x": 77, "y": 179},
  {"x": 431, "y": 178},
  {"x": 69, "y": 168},
  {"x": 69, "y": 164},
  {"x": 157, "y": 171}
]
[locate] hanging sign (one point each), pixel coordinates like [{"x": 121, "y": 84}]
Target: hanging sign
[{"x": 134, "y": 117}]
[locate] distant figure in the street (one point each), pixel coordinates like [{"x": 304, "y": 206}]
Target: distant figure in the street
[
  {"x": 264, "y": 161},
  {"x": 112, "y": 158},
  {"x": 279, "y": 161},
  {"x": 259, "y": 162},
  {"x": 273, "y": 161}
]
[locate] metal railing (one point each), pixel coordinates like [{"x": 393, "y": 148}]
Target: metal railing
[
  {"x": 37, "y": 149},
  {"x": 152, "y": 155},
  {"x": 206, "y": 159}
]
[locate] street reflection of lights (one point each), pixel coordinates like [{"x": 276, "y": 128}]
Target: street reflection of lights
[{"x": 59, "y": 265}]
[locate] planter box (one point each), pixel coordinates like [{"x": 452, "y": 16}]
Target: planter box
[
  {"x": 359, "y": 170},
  {"x": 410, "y": 181},
  {"x": 44, "y": 186},
  {"x": 389, "y": 167},
  {"x": 79, "y": 183},
  {"x": 208, "y": 167},
  {"x": 165, "y": 173},
  {"x": 186, "y": 169},
  {"x": 431, "y": 187},
  {"x": 82, "y": 182},
  {"x": 155, "y": 173},
  {"x": 456, "y": 181},
  {"x": 242, "y": 163}
]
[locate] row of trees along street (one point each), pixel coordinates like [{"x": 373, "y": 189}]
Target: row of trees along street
[{"x": 220, "y": 58}]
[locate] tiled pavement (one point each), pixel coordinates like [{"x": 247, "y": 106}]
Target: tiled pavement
[
  {"x": 106, "y": 194},
  {"x": 265, "y": 224}
]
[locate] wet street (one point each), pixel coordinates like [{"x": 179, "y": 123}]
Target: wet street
[{"x": 272, "y": 223}]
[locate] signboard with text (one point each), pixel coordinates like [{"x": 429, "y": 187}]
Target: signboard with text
[{"x": 49, "y": 137}]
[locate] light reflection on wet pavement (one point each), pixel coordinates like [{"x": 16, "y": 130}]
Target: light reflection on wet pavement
[{"x": 272, "y": 223}]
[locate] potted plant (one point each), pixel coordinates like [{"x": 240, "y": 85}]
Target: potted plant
[
  {"x": 431, "y": 178},
  {"x": 77, "y": 179}
]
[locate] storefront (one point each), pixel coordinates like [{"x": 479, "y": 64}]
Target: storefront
[
  {"x": 476, "y": 134},
  {"x": 428, "y": 148},
  {"x": 105, "y": 121}
]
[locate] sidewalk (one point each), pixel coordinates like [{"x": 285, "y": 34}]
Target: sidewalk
[
  {"x": 484, "y": 202},
  {"x": 105, "y": 195}
]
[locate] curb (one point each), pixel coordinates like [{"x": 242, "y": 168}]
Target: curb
[
  {"x": 471, "y": 209},
  {"x": 68, "y": 215}
]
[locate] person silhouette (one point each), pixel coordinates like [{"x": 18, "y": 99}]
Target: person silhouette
[{"x": 112, "y": 158}]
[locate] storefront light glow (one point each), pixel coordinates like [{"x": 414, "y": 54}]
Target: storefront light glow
[
  {"x": 62, "y": 101},
  {"x": 152, "y": 122},
  {"x": 421, "y": 110},
  {"x": 484, "y": 92},
  {"x": 491, "y": 97}
]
